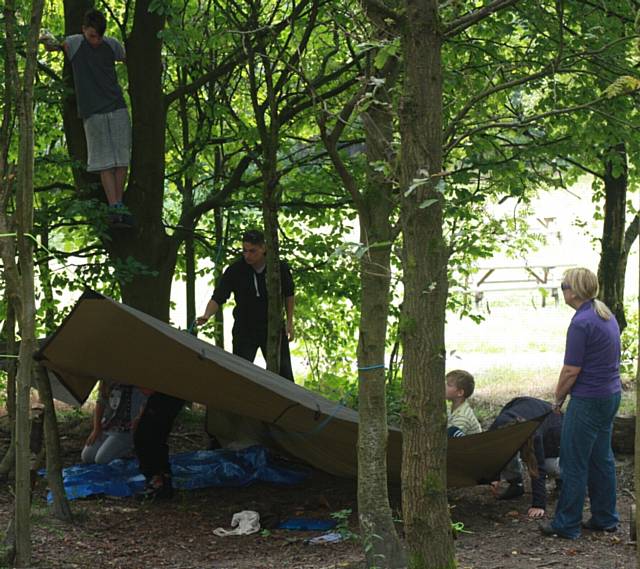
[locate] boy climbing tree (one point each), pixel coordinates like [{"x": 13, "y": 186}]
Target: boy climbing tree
[{"x": 101, "y": 106}]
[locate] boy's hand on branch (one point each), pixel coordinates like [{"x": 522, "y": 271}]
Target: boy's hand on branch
[{"x": 49, "y": 41}]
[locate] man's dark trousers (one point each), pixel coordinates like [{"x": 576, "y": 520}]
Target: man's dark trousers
[
  {"x": 151, "y": 435},
  {"x": 246, "y": 347}
]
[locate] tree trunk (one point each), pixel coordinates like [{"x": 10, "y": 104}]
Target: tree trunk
[
  {"x": 614, "y": 253},
  {"x": 61, "y": 508},
  {"x": 190, "y": 277},
  {"x": 382, "y": 545},
  {"x": 425, "y": 256},
  {"x": 26, "y": 293},
  {"x": 221, "y": 239},
  {"x": 8, "y": 461},
  {"x": 187, "y": 205},
  {"x": 45, "y": 270},
  {"x": 636, "y": 454},
  {"x": 624, "y": 435},
  {"x": 147, "y": 243},
  {"x": 274, "y": 286},
  {"x": 261, "y": 83},
  {"x": 7, "y": 246}
]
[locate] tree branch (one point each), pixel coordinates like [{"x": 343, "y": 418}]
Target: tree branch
[
  {"x": 582, "y": 167},
  {"x": 381, "y": 15},
  {"x": 216, "y": 200},
  {"x": 631, "y": 234},
  {"x": 464, "y": 22},
  {"x": 488, "y": 92},
  {"x": 235, "y": 59},
  {"x": 330, "y": 140},
  {"x": 524, "y": 122}
]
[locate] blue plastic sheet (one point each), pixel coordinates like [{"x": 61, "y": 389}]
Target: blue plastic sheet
[
  {"x": 191, "y": 470},
  {"x": 307, "y": 524}
]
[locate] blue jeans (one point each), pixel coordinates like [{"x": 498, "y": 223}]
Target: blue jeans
[{"x": 586, "y": 461}]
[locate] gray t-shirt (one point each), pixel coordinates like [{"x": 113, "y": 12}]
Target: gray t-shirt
[{"x": 94, "y": 74}]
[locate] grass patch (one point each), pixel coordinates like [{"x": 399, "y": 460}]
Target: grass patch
[
  {"x": 628, "y": 403},
  {"x": 192, "y": 415},
  {"x": 495, "y": 386}
]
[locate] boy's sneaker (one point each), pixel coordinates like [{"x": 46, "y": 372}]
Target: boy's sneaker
[
  {"x": 114, "y": 216},
  {"x": 126, "y": 221},
  {"x": 119, "y": 218},
  {"x": 514, "y": 490}
]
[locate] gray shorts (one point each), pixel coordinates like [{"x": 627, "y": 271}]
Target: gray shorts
[{"x": 108, "y": 140}]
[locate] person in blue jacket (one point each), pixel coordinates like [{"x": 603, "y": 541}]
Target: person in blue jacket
[{"x": 546, "y": 449}]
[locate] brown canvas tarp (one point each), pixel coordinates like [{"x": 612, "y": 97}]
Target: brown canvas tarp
[{"x": 102, "y": 339}]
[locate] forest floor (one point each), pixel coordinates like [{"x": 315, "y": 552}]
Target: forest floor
[{"x": 124, "y": 534}]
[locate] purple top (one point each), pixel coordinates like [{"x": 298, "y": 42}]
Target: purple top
[{"x": 593, "y": 344}]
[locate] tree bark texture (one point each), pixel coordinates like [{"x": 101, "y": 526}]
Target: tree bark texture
[
  {"x": 260, "y": 70},
  {"x": 221, "y": 239},
  {"x": 425, "y": 256},
  {"x": 26, "y": 293},
  {"x": 8, "y": 460},
  {"x": 7, "y": 251},
  {"x": 147, "y": 243},
  {"x": 382, "y": 545},
  {"x": 614, "y": 252},
  {"x": 187, "y": 201},
  {"x": 274, "y": 285},
  {"x": 61, "y": 508},
  {"x": 636, "y": 454}
]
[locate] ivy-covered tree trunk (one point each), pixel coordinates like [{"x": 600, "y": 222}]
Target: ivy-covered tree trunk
[
  {"x": 614, "y": 251},
  {"x": 425, "y": 256}
]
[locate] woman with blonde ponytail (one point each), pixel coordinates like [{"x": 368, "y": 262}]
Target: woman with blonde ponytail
[{"x": 591, "y": 374}]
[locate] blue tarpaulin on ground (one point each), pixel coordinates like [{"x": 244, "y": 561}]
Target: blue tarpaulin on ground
[{"x": 191, "y": 470}]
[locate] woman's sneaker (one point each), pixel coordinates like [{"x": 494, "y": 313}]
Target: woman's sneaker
[
  {"x": 514, "y": 490},
  {"x": 590, "y": 525},
  {"x": 158, "y": 488}
]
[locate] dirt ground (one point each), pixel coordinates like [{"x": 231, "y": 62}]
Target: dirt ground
[{"x": 123, "y": 534}]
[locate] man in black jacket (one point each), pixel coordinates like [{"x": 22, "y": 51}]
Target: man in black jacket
[
  {"x": 546, "y": 447},
  {"x": 246, "y": 279}
]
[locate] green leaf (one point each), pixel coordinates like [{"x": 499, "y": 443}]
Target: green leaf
[{"x": 426, "y": 203}]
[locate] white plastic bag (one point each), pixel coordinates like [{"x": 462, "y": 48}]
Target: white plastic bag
[{"x": 243, "y": 523}]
